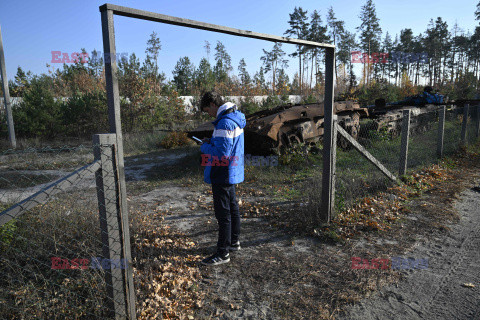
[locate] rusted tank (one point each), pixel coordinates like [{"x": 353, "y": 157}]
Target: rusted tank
[
  {"x": 280, "y": 127},
  {"x": 388, "y": 117}
]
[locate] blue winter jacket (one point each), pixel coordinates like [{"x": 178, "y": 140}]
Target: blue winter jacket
[{"x": 223, "y": 157}]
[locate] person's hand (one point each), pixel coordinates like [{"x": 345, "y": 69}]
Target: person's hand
[{"x": 206, "y": 140}]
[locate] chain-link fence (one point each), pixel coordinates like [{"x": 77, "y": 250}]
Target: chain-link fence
[
  {"x": 357, "y": 177},
  {"x": 423, "y": 139},
  {"x": 60, "y": 258}
]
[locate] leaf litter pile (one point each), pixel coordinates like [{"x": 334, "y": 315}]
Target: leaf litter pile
[
  {"x": 165, "y": 269},
  {"x": 318, "y": 283}
]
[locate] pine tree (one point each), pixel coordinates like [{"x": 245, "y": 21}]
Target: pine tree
[
  {"x": 317, "y": 33},
  {"x": 436, "y": 44},
  {"x": 346, "y": 45},
  {"x": 406, "y": 43},
  {"x": 183, "y": 75},
  {"x": 95, "y": 63},
  {"x": 473, "y": 54},
  {"x": 259, "y": 80},
  {"x": 244, "y": 76},
  {"x": 21, "y": 83},
  {"x": 130, "y": 66},
  {"x": 336, "y": 27},
  {"x": 274, "y": 61},
  {"x": 336, "y": 30},
  {"x": 370, "y": 32},
  {"x": 298, "y": 29},
  {"x": 387, "y": 47},
  {"x": 207, "y": 49},
  {"x": 454, "y": 48},
  {"x": 477, "y": 13},
  {"x": 418, "y": 49},
  {"x": 224, "y": 63},
  {"x": 152, "y": 51},
  {"x": 282, "y": 82},
  {"x": 204, "y": 76}
]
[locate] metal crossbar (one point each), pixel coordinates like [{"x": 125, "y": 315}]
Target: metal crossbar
[
  {"x": 46, "y": 193},
  {"x": 365, "y": 153},
  {"x": 157, "y": 17}
]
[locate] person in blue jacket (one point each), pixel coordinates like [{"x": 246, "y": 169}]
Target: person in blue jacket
[{"x": 223, "y": 158}]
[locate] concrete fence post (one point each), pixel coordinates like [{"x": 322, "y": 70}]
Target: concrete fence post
[
  {"x": 114, "y": 118},
  {"x": 463, "y": 138},
  {"x": 404, "y": 147},
  {"x": 328, "y": 193},
  {"x": 111, "y": 226},
  {"x": 334, "y": 164},
  {"x": 441, "y": 130},
  {"x": 6, "y": 96}
]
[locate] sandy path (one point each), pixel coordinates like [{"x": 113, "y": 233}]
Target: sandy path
[{"x": 436, "y": 292}]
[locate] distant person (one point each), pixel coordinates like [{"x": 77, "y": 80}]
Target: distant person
[
  {"x": 223, "y": 157},
  {"x": 430, "y": 97},
  {"x": 428, "y": 89}
]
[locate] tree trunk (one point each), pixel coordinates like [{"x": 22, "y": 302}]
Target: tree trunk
[
  {"x": 311, "y": 75},
  {"x": 300, "y": 71}
]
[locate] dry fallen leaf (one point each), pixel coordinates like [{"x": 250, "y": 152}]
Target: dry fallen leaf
[
  {"x": 468, "y": 285},
  {"x": 234, "y": 306}
]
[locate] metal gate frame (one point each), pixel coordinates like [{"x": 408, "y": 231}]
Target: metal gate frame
[{"x": 108, "y": 10}]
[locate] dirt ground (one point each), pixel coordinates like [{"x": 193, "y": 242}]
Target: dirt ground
[
  {"x": 282, "y": 274},
  {"x": 285, "y": 269},
  {"x": 441, "y": 291}
]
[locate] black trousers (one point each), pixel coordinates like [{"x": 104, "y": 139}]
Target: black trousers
[{"x": 227, "y": 214}]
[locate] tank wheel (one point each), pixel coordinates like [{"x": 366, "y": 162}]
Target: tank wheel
[
  {"x": 393, "y": 133},
  {"x": 354, "y": 132},
  {"x": 294, "y": 139}
]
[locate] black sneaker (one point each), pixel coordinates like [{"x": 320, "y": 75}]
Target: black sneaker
[
  {"x": 216, "y": 259},
  {"x": 235, "y": 246}
]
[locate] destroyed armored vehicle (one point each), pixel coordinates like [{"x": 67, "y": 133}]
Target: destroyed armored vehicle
[
  {"x": 388, "y": 116},
  {"x": 280, "y": 127}
]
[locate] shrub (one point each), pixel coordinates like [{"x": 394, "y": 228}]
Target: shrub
[
  {"x": 85, "y": 113},
  {"x": 38, "y": 114},
  {"x": 7, "y": 233},
  {"x": 274, "y": 101},
  {"x": 175, "y": 139},
  {"x": 248, "y": 105}
]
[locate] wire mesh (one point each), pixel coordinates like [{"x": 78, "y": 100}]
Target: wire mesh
[
  {"x": 357, "y": 177},
  {"x": 453, "y": 129},
  {"x": 24, "y": 172},
  {"x": 473, "y": 123},
  {"x": 52, "y": 261},
  {"x": 422, "y": 145}
]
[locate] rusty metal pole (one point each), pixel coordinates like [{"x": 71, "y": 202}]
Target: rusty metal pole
[
  {"x": 113, "y": 102},
  {"x": 328, "y": 187},
  {"x": 6, "y": 96}
]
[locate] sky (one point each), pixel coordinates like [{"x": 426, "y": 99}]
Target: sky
[{"x": 31, "y": 30}]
